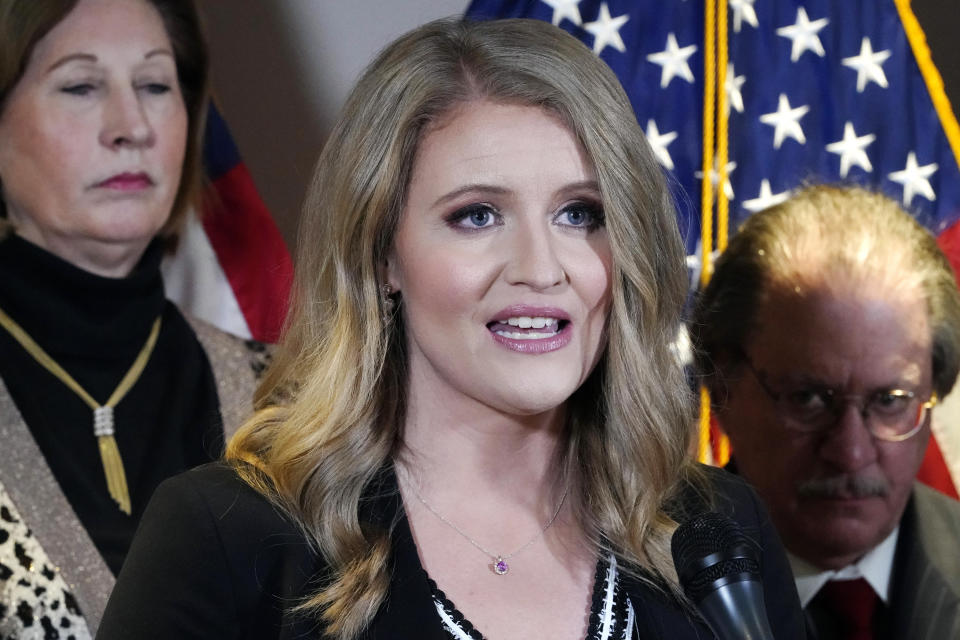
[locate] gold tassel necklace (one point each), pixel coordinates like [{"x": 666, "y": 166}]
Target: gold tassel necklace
[{"x": 102, "y": 414}]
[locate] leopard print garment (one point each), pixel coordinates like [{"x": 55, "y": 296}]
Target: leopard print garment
[{"x": 35, "y": 601}]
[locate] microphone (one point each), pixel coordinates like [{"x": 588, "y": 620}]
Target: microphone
[{"x": 719, "y": 570}]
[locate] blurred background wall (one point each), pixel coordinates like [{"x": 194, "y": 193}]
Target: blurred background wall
[{"x": 282, "y": 69}]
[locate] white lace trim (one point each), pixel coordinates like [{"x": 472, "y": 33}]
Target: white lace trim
[{"x": 608, "y": 620}]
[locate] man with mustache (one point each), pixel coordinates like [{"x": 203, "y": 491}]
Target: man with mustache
[{"x": 830, "y": 328}]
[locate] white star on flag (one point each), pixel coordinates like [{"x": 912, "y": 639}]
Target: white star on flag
[
  {"x": 565, "y": 9},
  {"x": 673, "y": 59},
  {"x": 852, "y": 150},
  {"x": 803, "y": 33},
  {"x": 732, "y": 86},
  {"x": 606, "y": 30},
  {"x": 913, "y": 177},
  {"x": 766, "y": 199},
  {"x": 715, "y": 177},
  {"x": 786, "y": 122},
  {"x": 695, "y": 264},
  {"x": 743, "y": 11},
  {"x": 659, "y": 142},
  {"x": 681, "y": 346},
  {"x": 867, "y": 65}
]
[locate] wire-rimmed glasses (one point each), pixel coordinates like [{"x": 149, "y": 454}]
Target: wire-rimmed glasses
[{"x": 892, "y": 415}]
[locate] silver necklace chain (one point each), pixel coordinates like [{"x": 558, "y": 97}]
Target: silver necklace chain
[{"x": 499, "y": 566}]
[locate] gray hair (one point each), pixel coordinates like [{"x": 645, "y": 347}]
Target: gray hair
[{"x": 825, "y": 234}]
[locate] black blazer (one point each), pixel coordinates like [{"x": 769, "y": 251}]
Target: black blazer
[{"x": 214, "y": 559}]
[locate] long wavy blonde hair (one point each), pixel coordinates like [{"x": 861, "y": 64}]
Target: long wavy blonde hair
[{"x": 331, "y": 410}]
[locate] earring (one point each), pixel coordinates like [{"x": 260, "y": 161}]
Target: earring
[{"x": 389, "y": 302}]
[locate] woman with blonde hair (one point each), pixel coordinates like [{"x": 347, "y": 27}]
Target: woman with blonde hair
[{"x": 477, "y": 425}]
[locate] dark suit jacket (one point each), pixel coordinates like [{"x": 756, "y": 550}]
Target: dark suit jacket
[
  {"x": 925, "y": 583},
  {"x": 214, "y": 559}
]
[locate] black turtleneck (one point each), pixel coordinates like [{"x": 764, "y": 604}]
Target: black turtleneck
[{"x": 94, "y": 327}]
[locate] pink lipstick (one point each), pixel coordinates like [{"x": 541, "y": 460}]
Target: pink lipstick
[
  {"x": 127, "y": 182},
  {"x": 530, "y": 329}
]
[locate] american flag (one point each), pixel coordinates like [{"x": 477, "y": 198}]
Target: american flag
[
  {"x": 815, "y": 91},
  {"x": 232, "y": 268}
]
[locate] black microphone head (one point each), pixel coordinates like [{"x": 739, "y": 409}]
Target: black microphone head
[{"x": 710, "y": 551}]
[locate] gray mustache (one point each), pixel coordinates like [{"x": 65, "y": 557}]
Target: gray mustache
[{"x": 846, "y": 485}]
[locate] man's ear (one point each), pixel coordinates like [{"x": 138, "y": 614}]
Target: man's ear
[{"x": 718, "y": 382}]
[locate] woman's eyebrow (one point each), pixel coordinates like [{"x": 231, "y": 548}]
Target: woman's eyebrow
[
  {"x": 86, "y": 57},
  {"x": 470, "y": 188},
  {"x": 89, "y": 57},
  {"x": 579, "y": 187},
  {"x": 159, "y": 52}
]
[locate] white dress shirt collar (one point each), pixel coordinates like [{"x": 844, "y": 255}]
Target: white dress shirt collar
[{"x": 875, "y": 567}]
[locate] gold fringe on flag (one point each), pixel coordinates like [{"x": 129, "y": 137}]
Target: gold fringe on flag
[
  {"x": 714, "y": 167},
  {"x": 931, "y": 76}
]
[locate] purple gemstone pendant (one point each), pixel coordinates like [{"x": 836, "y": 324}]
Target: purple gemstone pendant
[{"x": 500, "y": 567}]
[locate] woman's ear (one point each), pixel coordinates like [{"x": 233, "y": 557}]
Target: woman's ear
[{"x": 390, "y": 273}]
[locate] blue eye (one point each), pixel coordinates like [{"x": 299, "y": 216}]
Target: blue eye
[
  {"x": 474, "y": 216},
  {"x": 581, "y": 215}
]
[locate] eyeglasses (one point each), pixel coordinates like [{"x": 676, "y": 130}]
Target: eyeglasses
[{"x": 892, "y": 415}]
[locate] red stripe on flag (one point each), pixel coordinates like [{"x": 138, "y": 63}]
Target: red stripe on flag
[
  {"x": 949, "y": 241},
  {"x": 251, "y": 252},
  {"x": 934, "y": 472}
]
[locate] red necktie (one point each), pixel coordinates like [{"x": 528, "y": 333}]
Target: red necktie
[{"x": 853, "y": 603}]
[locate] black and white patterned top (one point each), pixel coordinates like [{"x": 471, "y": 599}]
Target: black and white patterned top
[
  {"x": 611, "y": 613},
  {"x": 35, "y": 601}
]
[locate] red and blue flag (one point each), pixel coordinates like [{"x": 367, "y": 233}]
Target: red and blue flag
[{"x": 232, "y": 267}]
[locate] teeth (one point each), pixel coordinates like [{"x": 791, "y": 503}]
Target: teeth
[
  {"x": 531, "y": 335},
  {"x": 527, "y": 322}
]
